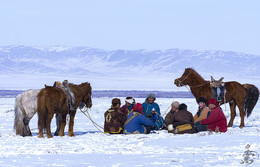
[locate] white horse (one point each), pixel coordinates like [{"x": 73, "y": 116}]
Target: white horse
[{"x": 25, "y": 109}]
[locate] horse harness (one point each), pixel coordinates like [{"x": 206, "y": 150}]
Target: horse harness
[{"x": 71, "y": 100}]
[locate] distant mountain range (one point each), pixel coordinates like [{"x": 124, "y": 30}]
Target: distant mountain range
[{"x": 23, "y": 67}]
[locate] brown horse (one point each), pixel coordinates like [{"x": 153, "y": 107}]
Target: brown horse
[
  {"x": 243, "y": 96},
  {"x": 53, "y": 100}
]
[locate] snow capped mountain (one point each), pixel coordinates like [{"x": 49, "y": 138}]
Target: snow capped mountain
[{"x": 119, "y": 69}]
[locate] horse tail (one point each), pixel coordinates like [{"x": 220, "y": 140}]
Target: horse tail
[
  {"x": 19, "y": 114},
  {"x": 42, "y": 109},
  {"x": 251, "y": 98}
]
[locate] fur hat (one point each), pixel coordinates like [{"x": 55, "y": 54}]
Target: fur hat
[
  {"x": 202, "y": 99},
  {"x": 151, "y": 96},
  {"x": 182, "y": 107},
  {"x": 213, "y": 101},
  {"x": 130, "y": 100},
  {"x": 116, "y": 101},
  {"x": 138, "y": 107},
  {"x": 175, "y": 104}
]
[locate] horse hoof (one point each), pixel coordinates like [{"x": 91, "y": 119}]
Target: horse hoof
[
  {"x": 49, "y": 136},
  {"x": 241, "y": 126},
  {"x": 71, "y": 134},
  {"x": 40, "y": 136}
]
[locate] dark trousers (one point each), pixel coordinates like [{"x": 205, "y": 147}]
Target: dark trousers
[
  {"x": 148, "y": 129},
  {"x": 200, "y": 127}
]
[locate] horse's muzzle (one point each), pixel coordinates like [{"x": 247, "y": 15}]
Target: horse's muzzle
[{"x": 177, "y": 83}]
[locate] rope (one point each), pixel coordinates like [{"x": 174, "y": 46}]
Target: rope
[
  {"x": 176, "y": 95},
  {"x": 98, "y": 127}
]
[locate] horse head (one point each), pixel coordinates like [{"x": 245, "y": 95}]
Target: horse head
[
  {"x": 87, "y": 97},
  {"x": 184, "y": 79}
]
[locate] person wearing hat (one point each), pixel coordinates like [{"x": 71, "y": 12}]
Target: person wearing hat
[
  {"x": 174, "y": 108},
  {"x": 216, "y": 121},
  {"x": 128, "y": 107},
  {"x": 114, "y": 118},
  {"x": 152, "y": 111},
  {"x": 136, "y": 122},
  {"x": 202, "y": 113},
  {"x": 203, "y": 110},
  {"x": 183, "y": 121}
]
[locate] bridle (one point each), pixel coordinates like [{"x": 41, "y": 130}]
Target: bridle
[{"x": 181, "y": 82}]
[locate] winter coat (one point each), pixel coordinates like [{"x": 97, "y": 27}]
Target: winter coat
[
  {"x": 156, "y": 118},
  {"x": 183, "y": 118},
  {"x": 135, "y": 123},
  {"x": 114, "y": 121},
  {"x": 216, "y": 120},
  {"x": 201, "y": 114},
  {"x": 169, "y": 118},
  {"x": 126, "y": 110}
]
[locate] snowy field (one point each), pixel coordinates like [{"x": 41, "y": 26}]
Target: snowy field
[{"x": 92, "y": 148}]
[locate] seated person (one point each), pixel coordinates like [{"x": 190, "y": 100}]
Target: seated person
[
  {"x": 114, "y": 118},
  {"x": 152, "y": 111},
  {"x": 183, "y": 121},
  {"x": 201, "y": 114},
  {"x": 216, "y": 121},
  {"x": 169, "y": 116},
  {"x": 137, "y": 123},
  {"x": 128, "y": 107}
]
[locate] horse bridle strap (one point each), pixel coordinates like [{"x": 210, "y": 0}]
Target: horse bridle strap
[{"x": 189, "y": 85}]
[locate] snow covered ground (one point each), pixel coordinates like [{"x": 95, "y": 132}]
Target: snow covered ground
[{"x": 92, "y": 148}]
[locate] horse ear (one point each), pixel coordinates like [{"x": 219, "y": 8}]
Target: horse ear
[
  {"x": 221, "y": 79},
  {"x": 212, "y": 79}
]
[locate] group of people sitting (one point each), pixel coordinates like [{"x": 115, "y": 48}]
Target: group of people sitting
[{"x": 137, "y": 118}]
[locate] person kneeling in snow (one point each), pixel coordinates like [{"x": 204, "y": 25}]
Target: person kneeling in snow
[
  {"x": 114, "y": 118},
  {"x": 216, "y": 121},
  {"x": 202, "y": 113},
  {"x": 183, "y": 121},
  {"x": 152, "y": 111},
  {"x": 137, "y": 123}
]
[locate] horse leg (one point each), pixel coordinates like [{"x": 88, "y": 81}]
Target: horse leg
[
  {"x": 48, "y": 124},
  {"x": 71, "y": 124},
  {"x": 63, "y": 124},
  {"x": 26, "y": 131},
  {"x": 233, "y": 113},
  {"x": 242, "y": 115},
  {"x": 58, "y": 124}
]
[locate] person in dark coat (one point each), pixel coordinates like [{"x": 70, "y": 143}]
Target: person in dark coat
[
  {"x": 169, "y": 116},
  {"x": 183, "y": 121},
  {"x": 137, "y": 123},
  {"x": 216, "y": 121},
  {"x": 114, "y": 118}
]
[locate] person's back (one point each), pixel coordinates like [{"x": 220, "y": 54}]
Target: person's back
[
  {"x": 183, "y": 120},
  {"x": 114, "y": 118},
  {"x": 137, "y": 123}
]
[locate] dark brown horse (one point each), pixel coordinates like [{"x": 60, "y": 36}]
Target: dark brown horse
[
  {"x": 53, "y": 100},
  {"x": 243, "y": 96}
]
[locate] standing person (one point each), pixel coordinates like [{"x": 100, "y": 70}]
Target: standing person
[
  {"x": 152, "y": 111},
  {"x": 216, "y": 121},
  {"x": 202, "y": 113},
  {"x": 169, "y": 116},
  {"x": 128, "y": 107},
  {"x": 114, "y": 118},
  {"x": 183, "y": 121},
  {"x": 137, "y": 123}
]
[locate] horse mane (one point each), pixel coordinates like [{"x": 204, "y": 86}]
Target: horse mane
[
  {"x": 82, "y": 88},
  {"x": 196, "y": 74}
]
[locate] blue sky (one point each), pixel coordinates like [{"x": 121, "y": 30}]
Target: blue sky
[{"x": 228, "y": 25}]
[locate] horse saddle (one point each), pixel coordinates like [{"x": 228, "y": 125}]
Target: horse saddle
[
  {"x": 218, "y": 89},
  {"x": 64, "y": 86}
]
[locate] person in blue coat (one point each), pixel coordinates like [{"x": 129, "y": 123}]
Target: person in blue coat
[
  {"x": 152, "y": 111},
  {"x": 137, "y": 123}
]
